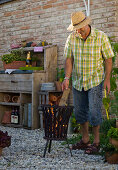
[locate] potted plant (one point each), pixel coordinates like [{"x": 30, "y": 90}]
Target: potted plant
[
  {"x": 15, "y": 59},
  {"x": 113, "y": 136},
  {"x": 112, "y": 146}
]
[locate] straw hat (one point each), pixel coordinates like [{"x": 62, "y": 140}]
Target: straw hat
[{"x": 78, "y": 20}]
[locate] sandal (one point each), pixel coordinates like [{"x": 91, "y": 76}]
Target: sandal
[
  {"x": 80, "y": 145},
  {"x": 92, "y": 149}
]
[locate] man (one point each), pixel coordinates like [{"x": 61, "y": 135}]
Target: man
[{"x": 87, "y": 51}]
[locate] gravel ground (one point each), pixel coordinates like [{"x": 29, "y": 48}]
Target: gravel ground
[{"x": 27, "y": 148}]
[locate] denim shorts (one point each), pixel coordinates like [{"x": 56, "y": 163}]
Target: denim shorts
[{"x": 88, "y": 105}]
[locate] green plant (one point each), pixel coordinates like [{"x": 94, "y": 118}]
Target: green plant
[
  {"x": 113, "y": 133},
  {"x": 75, "y": 125},
  {"x": 105, "y": 145},
  {"x": 109, "y": 102},
  {"x": 104, "y": 139},
  {"x": 15, "y": 55},
  {"x": 60, "y": 74},
  {"x": 106, "y": 125}
]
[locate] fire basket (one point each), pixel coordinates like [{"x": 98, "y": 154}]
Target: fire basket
[{"x": 56, "y": 119}]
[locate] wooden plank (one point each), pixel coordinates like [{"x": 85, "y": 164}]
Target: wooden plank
[
  {"x": 10, "y": 104},
  {"x": 25, "y": 115},
  {"x": 15, "y": 77},
  {"x": 29, "y": 115},
  {"x": 50, "y": 63},
  {"x": 64, "y": 98},
  {"x": 18, "y": 86},
  {"x": 38, "y": 78}
]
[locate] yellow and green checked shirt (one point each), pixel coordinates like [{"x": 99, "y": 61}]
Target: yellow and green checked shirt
[{"x": 89, "y": 55}]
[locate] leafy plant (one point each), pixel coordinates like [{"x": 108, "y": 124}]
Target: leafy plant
[
  {"x": 105, "y": 145},
  {"x": 111, "y": 104},
  {"x": 15, "y": 55},
  {"x": 75, "y": 125},
  {"x": 60, "y": 74},
  {"x": 106, "y": 125},
  {"x": 113, "y": 133},
  {"x": 76, "y": 138}
]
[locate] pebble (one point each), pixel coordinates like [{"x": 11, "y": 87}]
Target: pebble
[{"x": 27, "y": 148}]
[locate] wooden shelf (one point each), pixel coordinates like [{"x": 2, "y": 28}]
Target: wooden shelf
[
  {"x": 10, "y": 103},
  {"x": 27, "y": 86},
  {"x": 13, "y": 125}
]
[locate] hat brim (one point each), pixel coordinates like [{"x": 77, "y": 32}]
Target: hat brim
[{"x": 82, "y": 24}]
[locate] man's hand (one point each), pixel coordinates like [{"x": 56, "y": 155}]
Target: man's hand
[
  {"x": 107, "y": 85},
  {"x": 65, "y": 84}
]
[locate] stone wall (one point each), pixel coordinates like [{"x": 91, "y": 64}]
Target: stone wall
[{"x": 37, "y": 20}]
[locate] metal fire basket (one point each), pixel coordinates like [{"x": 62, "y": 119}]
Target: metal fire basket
[{"x": 56, "y": 119}]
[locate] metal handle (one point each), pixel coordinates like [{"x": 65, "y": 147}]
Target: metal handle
[{"x": 12, "y": 81}]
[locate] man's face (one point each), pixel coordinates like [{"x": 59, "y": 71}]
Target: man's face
[{"x": 83, "y": 31}]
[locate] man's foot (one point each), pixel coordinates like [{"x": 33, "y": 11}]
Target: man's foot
[
  {"x": 92, "y": 149},
  {"x": 81, "y": 145}
]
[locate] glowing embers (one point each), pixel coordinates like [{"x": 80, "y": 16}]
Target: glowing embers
[{"x": 56, "y": 120}]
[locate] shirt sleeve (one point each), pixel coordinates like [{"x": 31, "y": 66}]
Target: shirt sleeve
[
  {"x": 68, "y": 49},
  {"x": 106, "y": 48}
]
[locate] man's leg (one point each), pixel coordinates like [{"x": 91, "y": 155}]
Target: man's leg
[
  {"x": 95, "y": 106},
  {"x": 85, "y": 132},
  {"x": 96, "y": 134},
  {"x": 81, "y": 114}
]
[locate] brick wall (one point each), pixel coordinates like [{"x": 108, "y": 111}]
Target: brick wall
[{"x": 37, "y": 20}]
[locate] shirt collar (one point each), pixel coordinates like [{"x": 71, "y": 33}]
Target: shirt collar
[{"x": 78, "y": 35}]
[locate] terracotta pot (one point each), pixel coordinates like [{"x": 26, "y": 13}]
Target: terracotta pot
[
  {"x": 114, "y": 142},
  {"x": 7, "y": 117},
  {"x": 111, "y": 158},
  {"x": 17, "y": 64},
  {"x": 16, "y": 99},
  {"x": 7, "y": 98}
]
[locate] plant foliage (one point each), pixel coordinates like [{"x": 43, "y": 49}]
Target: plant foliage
[
  {"x": 111, "y": 105},
  {"x": 113, "y": 133},
  {"x": 60, "y": 74},
  {"x": 15, "y": 55}
]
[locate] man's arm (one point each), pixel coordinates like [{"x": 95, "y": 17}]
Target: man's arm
[
  {"x": 108, "y": 69},
  {"x": 68, "y": 67},
  {"x": 68, "y": 71}
]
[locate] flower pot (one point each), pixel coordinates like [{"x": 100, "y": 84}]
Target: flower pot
[
  {"x": 112, "y": 158},
  {"x": 16, "y": 64},
  {"x": 114, "y": 142},
  {"x": 6, "y": 117}
]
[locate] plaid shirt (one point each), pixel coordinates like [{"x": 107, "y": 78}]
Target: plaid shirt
[{"x": 89, "y": 56}]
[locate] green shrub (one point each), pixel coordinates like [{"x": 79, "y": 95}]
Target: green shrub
[{"x": 113, "y": 133}]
